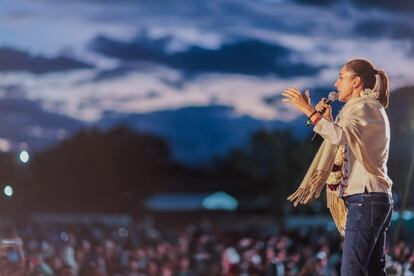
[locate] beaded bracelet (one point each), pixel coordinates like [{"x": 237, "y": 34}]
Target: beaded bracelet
[
  {"x": 313, "y": 113},
  {"x": 316, "y": 120},
  {"x": 309, "y": 121}
]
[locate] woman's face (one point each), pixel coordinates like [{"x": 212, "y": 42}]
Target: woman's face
[{"x": 345, "y": 84}]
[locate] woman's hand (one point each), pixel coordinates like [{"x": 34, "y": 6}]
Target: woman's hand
[
  {"x": 298, "y": 100},
  {"x": 328, "y": 109}
]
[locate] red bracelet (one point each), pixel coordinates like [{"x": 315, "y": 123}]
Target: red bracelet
[{"x": 316, "y": 120}]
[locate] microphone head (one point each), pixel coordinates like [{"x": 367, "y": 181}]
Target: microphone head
[{"x": 332, "y": 96}]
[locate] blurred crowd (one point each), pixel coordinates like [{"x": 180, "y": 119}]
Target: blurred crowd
[{"x": 202, "y": 248}]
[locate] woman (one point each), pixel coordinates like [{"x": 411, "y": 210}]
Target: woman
[{"x": 351, "y": 163}]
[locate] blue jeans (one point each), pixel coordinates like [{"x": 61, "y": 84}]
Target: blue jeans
[{"x": 369, "y": 216}]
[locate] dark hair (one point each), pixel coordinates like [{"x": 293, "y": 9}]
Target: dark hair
[{"x": 366, "y": 71}]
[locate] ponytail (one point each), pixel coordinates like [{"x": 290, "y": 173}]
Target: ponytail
[{"x": 383, "y": 88}]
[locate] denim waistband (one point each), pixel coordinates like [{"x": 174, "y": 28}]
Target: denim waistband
[{"x": 373, "y": 195}]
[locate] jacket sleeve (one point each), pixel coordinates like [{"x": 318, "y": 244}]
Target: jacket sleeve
[{"x": 330, "y": 131}]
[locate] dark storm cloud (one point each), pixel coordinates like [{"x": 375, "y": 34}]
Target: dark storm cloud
[
  {"x": 249, "y": 57},
  {"x": 16, "y": 60},
  {"x": 396, "y": 5},
  {"x": 316, "y": 2},
  {"x": 114, "y": 73},
  {"x": 19, "y": 116},
  {"x": 385, "y": 28}
]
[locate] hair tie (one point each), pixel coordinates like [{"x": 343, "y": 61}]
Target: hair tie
[{"x": 376, "y": 71}]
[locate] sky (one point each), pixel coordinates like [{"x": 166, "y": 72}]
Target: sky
[{"x": 185, "y": 70}]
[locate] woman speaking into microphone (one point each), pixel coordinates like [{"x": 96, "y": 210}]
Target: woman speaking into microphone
[{"x": 352, "y": 164}]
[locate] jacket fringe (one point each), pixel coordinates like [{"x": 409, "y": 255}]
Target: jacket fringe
[{"x": 339, "y": 212}]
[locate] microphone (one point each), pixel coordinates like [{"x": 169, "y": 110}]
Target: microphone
[{"x": 332, "y": 96}]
